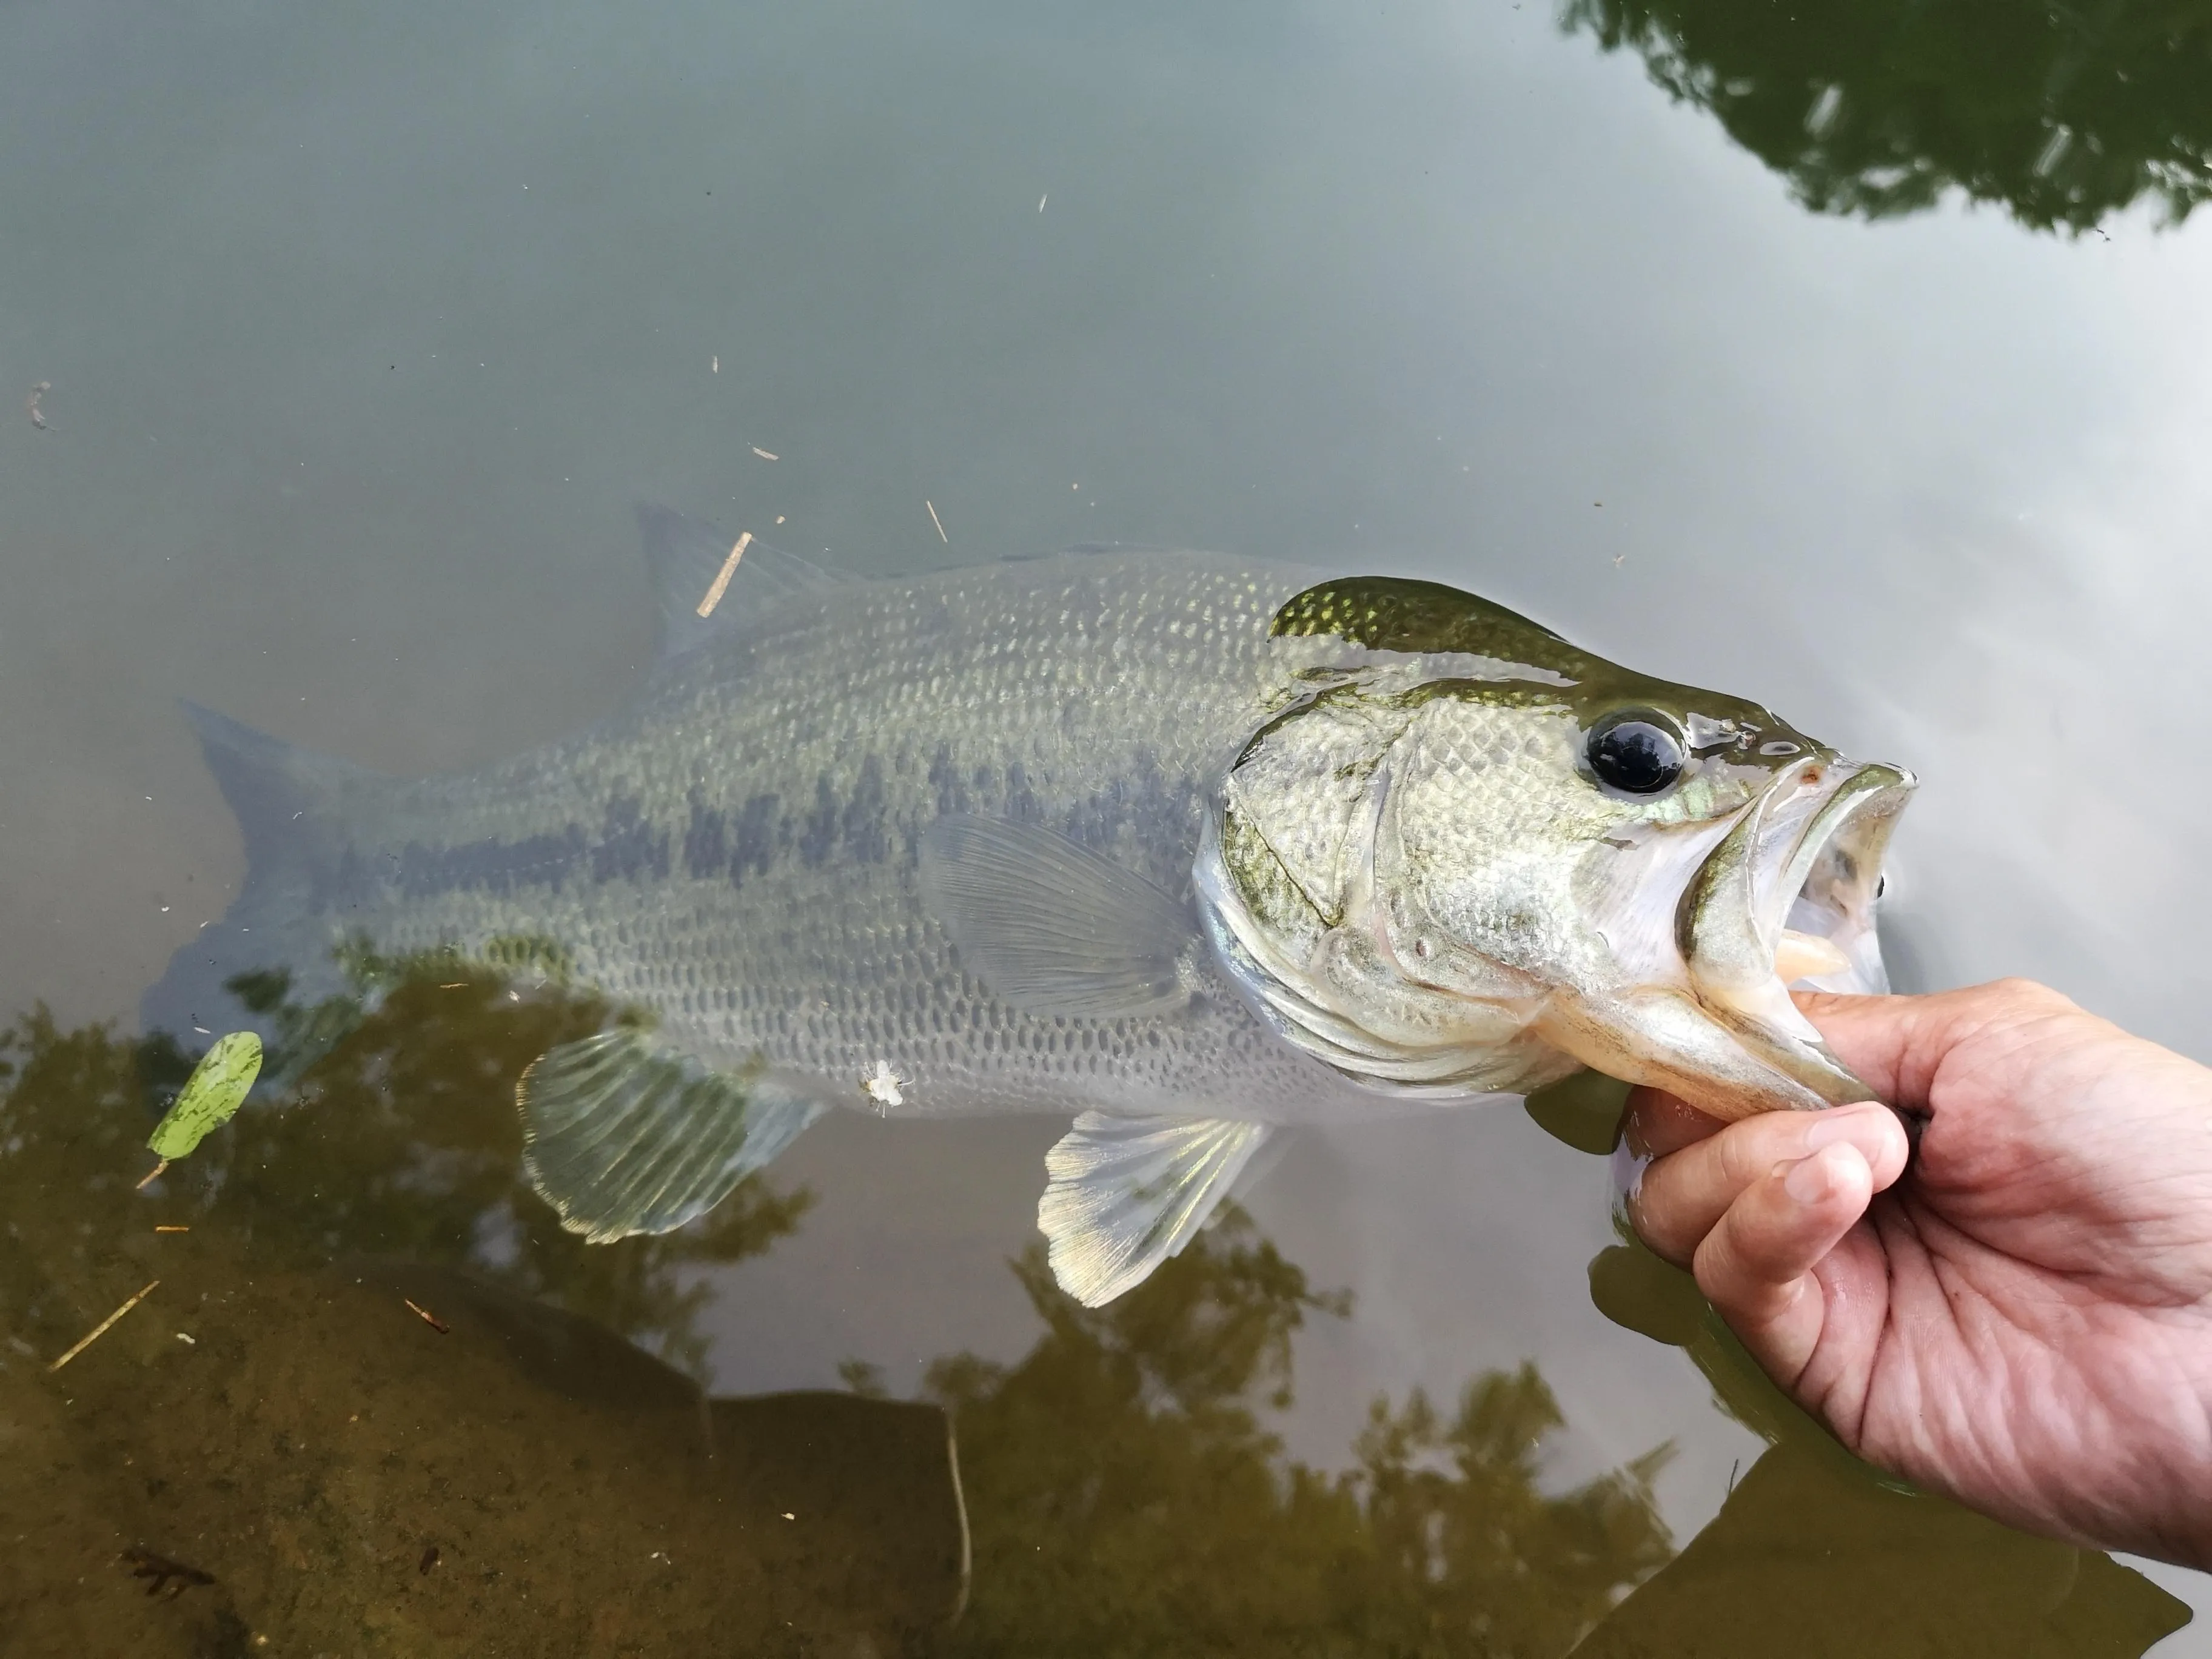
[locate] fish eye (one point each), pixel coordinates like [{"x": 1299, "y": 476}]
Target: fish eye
[{"x": 1635, "y": 754}]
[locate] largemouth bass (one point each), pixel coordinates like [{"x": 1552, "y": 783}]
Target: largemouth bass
[{"x": 1185, "y": 846}]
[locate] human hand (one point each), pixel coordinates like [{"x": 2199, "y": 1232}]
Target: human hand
[{"x": 2024, "y": 1321}]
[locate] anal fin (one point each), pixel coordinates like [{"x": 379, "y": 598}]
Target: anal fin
[
  {"x": 1123, "y": 1195},
  {"x": 623, "y": 1135}
]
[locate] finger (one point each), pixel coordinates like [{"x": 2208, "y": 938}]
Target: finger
[
  {"x": 1659, "y": 1123},
  {"x": 1756, "y": 1265},
  {"x": 1895, "y": 1043},
  {"x": 1683, "y": 1196}
]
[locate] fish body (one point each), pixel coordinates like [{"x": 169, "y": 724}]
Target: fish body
[
  {"x": 1182, "y": 845},
  {"x": 736, "y": 851}
]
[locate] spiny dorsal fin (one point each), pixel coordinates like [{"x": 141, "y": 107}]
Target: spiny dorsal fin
[
  {"x": 623, "y": 1135},
  {"x": 1123, "y": 1195},
  {"x": 685, "y": 556},
  {"x": 1049, "y": 925}
]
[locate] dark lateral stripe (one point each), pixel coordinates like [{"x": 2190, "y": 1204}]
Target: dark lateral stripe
[
  {"x": 743, "y": 842},
  {"x": 629, "y": 847}
]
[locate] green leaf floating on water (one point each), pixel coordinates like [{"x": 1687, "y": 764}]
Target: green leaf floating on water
[{"x": 217, "y": 1085}]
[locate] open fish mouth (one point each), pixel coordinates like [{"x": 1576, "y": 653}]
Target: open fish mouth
[{"x": 1788, "y": 897}]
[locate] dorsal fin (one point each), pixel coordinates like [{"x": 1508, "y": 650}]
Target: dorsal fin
[{"x": 685, "y": 556}]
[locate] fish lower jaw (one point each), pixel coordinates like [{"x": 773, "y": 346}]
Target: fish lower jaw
[{"x": 1787, "y": 898}]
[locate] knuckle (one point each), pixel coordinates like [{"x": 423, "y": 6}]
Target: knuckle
[
  {"x": 1747, "y": 1151},
  {"x": 2016, "y": 994}
]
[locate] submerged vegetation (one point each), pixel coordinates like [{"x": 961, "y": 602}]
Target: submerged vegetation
[{"x": 1126, "y": 1498}]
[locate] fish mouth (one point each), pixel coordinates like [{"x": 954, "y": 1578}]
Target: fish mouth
[{"x": 1787, "y": 898}]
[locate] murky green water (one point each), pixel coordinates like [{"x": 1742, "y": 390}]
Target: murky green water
[{"x": 365, "y": 326}]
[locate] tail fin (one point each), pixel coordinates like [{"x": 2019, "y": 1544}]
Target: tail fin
[
  {"x": 293, "y": 809},
  {"x": 288, "y": 801}
]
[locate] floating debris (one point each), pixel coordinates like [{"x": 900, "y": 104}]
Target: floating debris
[
  {"x": 939, "y": 523},
  {"x": 214, "y": 1091},
  {"x": 101, "y": 1330},
  {"x": 885, "y": 1087},
  {"x": 38, "y": 415},
  {"x": 170, "y": 1227},
  {"x": 144, "y": 1564},
  {"x": 428, "y": 1318},
  {"x": 721, "y": 583},
  {"x": 429, "y": 1560},
  {"x": 1042, "y": 199},
  {"x": 764, "y": 455},
  {"x": 714, "y": 365}
]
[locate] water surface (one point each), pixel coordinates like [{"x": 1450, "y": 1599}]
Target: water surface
[{"x": 365, "y": 328}]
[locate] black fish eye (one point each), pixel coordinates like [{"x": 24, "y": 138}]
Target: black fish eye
[{"x": 1635, "y": 754}]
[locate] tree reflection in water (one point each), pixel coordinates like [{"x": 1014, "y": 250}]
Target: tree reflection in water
[
  {"x": 1124, "y": 1493},
  {"x": 400, "y": 1141},
  {"x": 2064, "y": 114},
  {"x": 1125, "y": 1498}
]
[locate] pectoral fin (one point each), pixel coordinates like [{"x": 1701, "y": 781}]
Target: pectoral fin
[
  {"x": 623, "y": 1135},
  {"x": 1123, "y": 1195},
  {"x": 1048, "y": 924}
]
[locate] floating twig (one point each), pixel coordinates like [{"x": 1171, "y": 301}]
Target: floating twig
[
  {"x": 144, "y": 1564},
  {"x": 170, "y": 1227},
  {"x": 421, "y": 1313},
  {"x": 721, "y": 584},
  {"x": 100, "y": 1329},
  {"x": 939, "y": 523},
  {"x": 764, "y": 455}
]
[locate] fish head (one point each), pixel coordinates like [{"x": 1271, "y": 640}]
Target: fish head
[{"x": 1463, "y": 856}]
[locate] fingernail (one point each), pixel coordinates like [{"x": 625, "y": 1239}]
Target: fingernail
[
  {"x": 1810, "y": 1179},
  {"x": 1861, "y": 1125}
]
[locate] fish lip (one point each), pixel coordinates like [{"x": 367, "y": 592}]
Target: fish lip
[{"x": 1808, "y": 851}]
